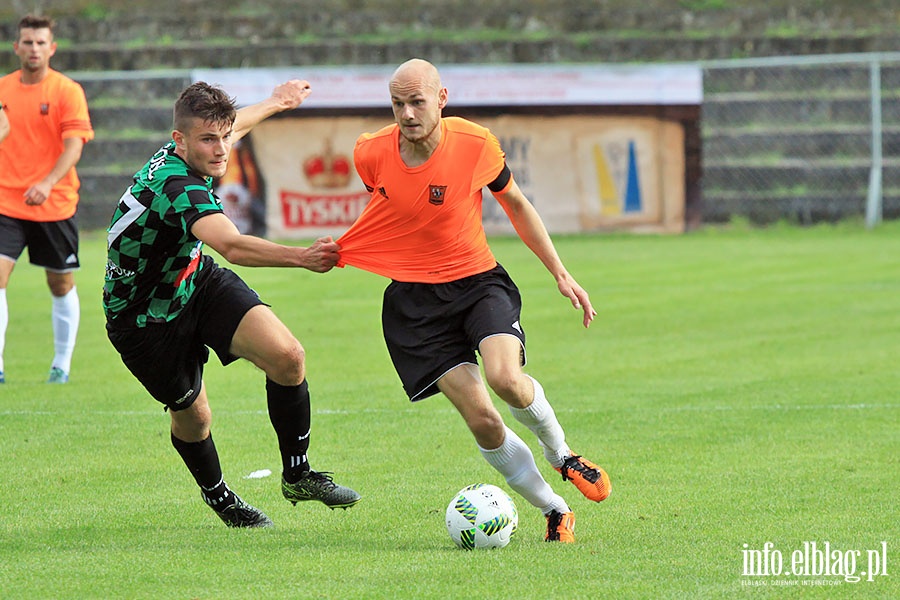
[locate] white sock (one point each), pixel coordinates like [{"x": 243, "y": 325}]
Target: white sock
[
  {"x": 4, "y": 322},
  {"x": 541, "y": 420},
  {"x": 513, "y": 459},
  {"x": 66, "y": 314}
]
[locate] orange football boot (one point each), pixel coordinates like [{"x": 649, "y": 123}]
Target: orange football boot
[
  {"x": 560, "y": 527},
  {"x": 591, "y": 480}
]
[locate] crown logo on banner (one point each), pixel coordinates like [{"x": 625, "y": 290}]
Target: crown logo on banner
[{"x": 327, "y": 170}]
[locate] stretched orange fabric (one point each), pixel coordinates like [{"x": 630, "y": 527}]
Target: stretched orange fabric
[
  {"x": 423, "y": 224},
  {"x": 41, "y": 116}
]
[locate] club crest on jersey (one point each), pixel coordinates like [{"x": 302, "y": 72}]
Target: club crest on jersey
[
  {"x": 436, "y": 194},
  {"x": 45, "y": 108}
]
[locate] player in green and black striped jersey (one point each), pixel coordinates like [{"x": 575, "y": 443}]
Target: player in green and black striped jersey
[
  {"x": 144, "y": 285},
  {"x": 166, "y": 302}
]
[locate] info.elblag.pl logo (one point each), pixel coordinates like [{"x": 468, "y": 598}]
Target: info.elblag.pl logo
[{"x": 812, "y": 563}]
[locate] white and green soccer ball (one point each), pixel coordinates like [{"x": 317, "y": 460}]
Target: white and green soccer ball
[{"x": 481, "y": 516}]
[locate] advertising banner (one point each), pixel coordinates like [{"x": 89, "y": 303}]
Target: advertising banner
[
  {"x": 584, "y": 170},
  {"x": 582, "y": 173}
]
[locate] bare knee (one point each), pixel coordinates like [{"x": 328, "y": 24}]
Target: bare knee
[
  {"x": 192, "y": 424},
  {"x": 288, "y": 364},
  {"x": 488, "y": 428},
  {"x": 512, "y": 386},
  {"x": 266, "y": 342},
  {"x": 60, "y": 284}
]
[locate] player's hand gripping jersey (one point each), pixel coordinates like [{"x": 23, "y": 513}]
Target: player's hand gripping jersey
[{"x": 423, "y": 224}]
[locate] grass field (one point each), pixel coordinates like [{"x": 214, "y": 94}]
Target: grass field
[{"x": 739, "y": 386}]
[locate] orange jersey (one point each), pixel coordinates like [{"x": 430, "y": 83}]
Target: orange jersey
[
  {"x": 423, "y": 224},
  {"x": 41, "y": 116}
]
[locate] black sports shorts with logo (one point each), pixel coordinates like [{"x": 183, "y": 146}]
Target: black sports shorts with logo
[
  {"x": 168, "y": 358},
  {"x": 430, "y": 328},
  {"x": 52, "y": 245}
]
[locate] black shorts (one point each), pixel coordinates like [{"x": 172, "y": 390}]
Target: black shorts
[
  {"x": 168, "y": 358},
  {"x": 52, "y": 245},
  {"x": 432, "y": 328}
]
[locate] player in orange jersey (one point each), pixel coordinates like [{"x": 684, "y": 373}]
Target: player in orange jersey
[
  {"x": 49, "y": 126},
  {"x": 449, "y": 298}
]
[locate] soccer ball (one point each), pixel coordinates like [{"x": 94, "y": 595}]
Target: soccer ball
[{"x": 481, "y": 516}]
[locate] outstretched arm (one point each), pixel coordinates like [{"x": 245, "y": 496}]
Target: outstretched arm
[
  {"x": 219, "y": 233},
  {"x": 286, "y": 96},
  {"x": 531, "y": 229}
]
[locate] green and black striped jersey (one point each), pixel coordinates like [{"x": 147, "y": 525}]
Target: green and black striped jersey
[{"x": 152, "y": 257}]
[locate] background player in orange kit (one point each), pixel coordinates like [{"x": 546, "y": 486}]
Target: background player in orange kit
[
  {"x": 449, "y": 297},
  {"x": 49, "y": 126}
]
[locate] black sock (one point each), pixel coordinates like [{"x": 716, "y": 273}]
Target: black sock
[
  {"x": 202, "y": 461},
  {"x": 289, "y": 414}
]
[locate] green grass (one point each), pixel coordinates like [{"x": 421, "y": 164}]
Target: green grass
[{"x": 739, "y": 385}]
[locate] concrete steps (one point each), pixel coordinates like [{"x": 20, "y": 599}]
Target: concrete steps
[
  {"x": 794, "y": 175},
  {"x": 798, "y": 208},
  {"x": 132, "y": 117},
  {"x": 130, "y": 22},
  {"x": 795, "y": 142},
  {"x": 798, "y": 135},
  {"x": 559, "y": 48},
  {"x": 108, "y": 154},
  {"x": 824, "y": 143},
  {"x": 837, "y": 108}
]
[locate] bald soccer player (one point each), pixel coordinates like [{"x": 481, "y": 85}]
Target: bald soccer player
[{"x": 449, "y": 298}]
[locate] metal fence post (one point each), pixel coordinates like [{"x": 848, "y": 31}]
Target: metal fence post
[{"x": 874, "y": 200}]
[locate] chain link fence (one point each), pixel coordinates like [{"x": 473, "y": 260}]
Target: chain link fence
[{"x": 803, "y": 139}]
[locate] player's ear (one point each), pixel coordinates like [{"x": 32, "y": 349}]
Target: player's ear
[
  {"x": 178, "y": 137},
  {"x": 442, "y": 97}
]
